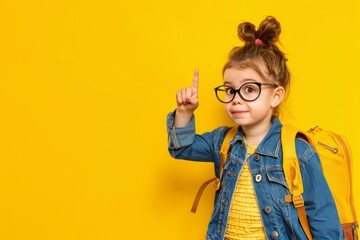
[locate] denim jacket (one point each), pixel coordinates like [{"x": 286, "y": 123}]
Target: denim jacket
[{"x": 279, "y": 218}]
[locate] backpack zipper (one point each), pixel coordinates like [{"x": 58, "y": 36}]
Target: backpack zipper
[
  {"x": 328, "y": 147},
  {"x": 332, "y": 149}
]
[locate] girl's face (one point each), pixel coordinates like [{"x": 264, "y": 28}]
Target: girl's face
[{"x": 257, "y": 112}]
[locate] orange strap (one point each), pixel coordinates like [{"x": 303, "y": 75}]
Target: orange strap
[
  {"x": 223, "y": 156},
  {"x": 304, "y": 222},
  {"x": 298, "y": 202},
  {"x": 201, "y": 190}
]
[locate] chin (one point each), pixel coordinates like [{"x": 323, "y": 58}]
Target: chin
[{"x": 240, "y": 122}]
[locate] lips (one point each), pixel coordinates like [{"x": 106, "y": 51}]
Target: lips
[{"x": 238, "y": 112}]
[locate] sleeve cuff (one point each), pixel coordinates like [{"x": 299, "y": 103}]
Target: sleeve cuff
[{"x": 180, "y": 136}]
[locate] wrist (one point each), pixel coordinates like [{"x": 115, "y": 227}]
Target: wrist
[
  {"x": 182, "y": 118},
  {"x": 184, "y": 113}
]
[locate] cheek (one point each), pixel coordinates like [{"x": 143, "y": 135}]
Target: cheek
[
  {"x": 227, "y": 107},
  {"x": 265, "y": 100},
  {"x": 261, "y": 106}
]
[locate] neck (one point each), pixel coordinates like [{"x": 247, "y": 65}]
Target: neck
[{"x": 255, "y": 134}]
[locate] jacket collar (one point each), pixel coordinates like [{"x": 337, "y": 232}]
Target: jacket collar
[{"x": 270, "y": 145}]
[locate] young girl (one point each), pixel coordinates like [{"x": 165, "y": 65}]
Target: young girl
[{"x": 250, "y": 203}]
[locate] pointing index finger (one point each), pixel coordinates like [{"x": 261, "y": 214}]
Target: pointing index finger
[{"x": 195, "y": 81}]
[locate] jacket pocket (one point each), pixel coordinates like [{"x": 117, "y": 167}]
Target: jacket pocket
[
  {"x": 277, "y": 177},
  {"x": 278, "y": 186}
]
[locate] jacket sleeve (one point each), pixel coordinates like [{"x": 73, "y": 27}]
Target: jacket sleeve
[
  {"x": 319, "y": 203},
  {"x": 184, "y": 143}
]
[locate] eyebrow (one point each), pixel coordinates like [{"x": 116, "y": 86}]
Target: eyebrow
[{"x": 245, "y": 81}]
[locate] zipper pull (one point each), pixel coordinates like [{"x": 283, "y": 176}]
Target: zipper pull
[{"x": 332, "y": 149}]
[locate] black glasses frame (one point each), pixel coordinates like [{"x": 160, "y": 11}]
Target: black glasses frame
[{"x": 238, "y": 91}]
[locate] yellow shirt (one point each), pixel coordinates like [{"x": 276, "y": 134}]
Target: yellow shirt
[{"x": 244, "y": 216}]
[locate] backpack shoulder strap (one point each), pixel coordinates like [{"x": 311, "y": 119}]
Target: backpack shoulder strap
[
  {"x": 292, "y": 173},
  {"x": 290, "y": 161},
  {"x": 224, "y": 151},
  {"x": 223, "y": 156}
]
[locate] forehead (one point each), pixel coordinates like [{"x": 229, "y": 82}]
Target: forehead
[
  {"x": 252, "y": 65},
  {"x": 236, "y": 76}
]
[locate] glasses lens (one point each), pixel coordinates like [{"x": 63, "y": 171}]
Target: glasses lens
[
  {"x": 250, "y": 91},
  {"x": 225, "y": 94}
]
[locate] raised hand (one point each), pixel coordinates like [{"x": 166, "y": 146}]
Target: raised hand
[
  {"x": 187, "y": 102},
  {"x": 187, "y": 98}
]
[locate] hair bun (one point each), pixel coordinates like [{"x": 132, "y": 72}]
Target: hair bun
[
  {"x": 246, "y": 32},
  {"x": 268, "y": 31}
]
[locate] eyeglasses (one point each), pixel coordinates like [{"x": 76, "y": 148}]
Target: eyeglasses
[{"x": 249, "y": 91}]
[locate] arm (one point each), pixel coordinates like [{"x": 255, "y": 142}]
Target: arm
[
  {"x": 319, "y": 203},
  {"x": 183, "y": 142}
]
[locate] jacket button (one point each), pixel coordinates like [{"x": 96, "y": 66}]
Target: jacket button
[
  {"x": 274, "y": 234},
  {"x": 267, "y": 209},
  {"x": 258, "y": 178},
  {"x": 257, "y": 157},
  {"x": 225, "y": 202}
]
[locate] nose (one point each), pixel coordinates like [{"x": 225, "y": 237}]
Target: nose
[{"x": 237, "y": 99}]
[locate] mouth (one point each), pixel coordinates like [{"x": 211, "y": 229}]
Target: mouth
[{"x": 238, "y": 112}]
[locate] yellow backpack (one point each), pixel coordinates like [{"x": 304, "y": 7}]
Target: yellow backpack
[{"x": 336, "y": 162}]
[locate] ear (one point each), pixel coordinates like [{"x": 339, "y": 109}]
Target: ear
[{"x": 278, "y": 96}]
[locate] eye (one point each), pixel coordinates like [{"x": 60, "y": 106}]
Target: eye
[
  {"x": 229, "y": 91},
  {"x": 250, "y": 89}
]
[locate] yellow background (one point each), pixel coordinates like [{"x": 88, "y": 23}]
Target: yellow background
[{"x": 86, "y": 87}]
